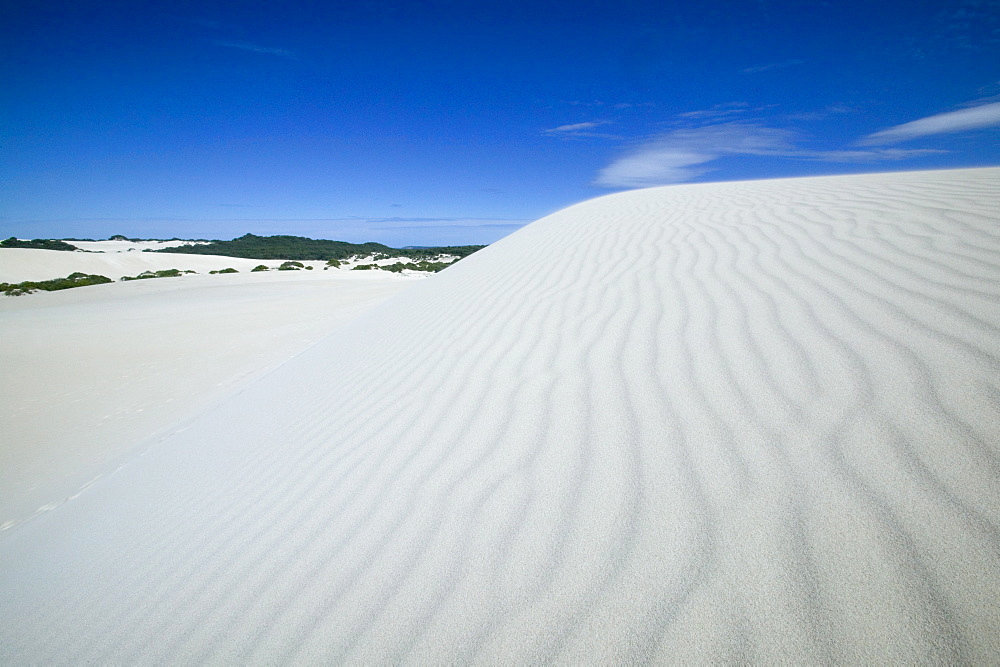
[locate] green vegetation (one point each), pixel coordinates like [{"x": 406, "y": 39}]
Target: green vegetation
[
  {"x": 433, "y": 267},
  {"x": 230, "y": 270},
  {"x": 334, "y": 263},
  {"x": 259, "y": 267},
  {"x": 290, "y": 266},
  {"x": 301, "y": 248},
  {"x": 164, "y": 273},
  {"x": 38, "y": 244},
  {"x": 399, "y": 267},
  {"x": 72, "y": 280}
]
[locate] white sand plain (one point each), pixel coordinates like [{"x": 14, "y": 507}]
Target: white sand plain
[
  {"x": 746, "y": 422},
  {"x": 114, "y": 259},
  {"x": 20, "y": 264},
  {"x": 91, "y": 373}
]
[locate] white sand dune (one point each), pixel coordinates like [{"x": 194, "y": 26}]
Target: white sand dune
[{"x": 722, "y": 422}]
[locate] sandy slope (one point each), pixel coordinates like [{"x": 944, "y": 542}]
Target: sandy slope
[
  {"x": 748, "y": 421},
  {"x": 89, "y": 373}
]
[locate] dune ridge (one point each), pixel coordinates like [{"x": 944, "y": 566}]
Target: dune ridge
[{"x": 747, "y": 421}]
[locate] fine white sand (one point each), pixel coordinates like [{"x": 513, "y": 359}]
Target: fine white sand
[
  {"x": 90, "y": 372},
  {"x": 722, "y": 422}
]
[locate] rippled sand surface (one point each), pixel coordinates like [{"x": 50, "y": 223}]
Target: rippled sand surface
[{"x": 752, "y": 421}]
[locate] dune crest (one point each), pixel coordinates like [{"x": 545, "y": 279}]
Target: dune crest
[{"x": 750, "y": 421}]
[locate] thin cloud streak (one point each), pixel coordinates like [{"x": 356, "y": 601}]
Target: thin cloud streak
[
  {"x": 877, "y": 155},
  {"x": 764, "y": 68},
  {"x": 246, "y": 46},
  {"x": 575, "y": 130},
  {"x": 974, "y": 118},
  {"x": 575, "y": 127},
  {"x": 716, "y": 113}
]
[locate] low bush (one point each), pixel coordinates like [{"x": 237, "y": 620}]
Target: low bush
[
  {"x": 163, "y": 273},
  {"x": 259, "y": 267},
  {"x": 396, "y": 268},
  {"x": 72, "y": 280},
  {"x": 432, "y": 267},
  {"x": 230, "y": 270},
  {"x": 290, "y": 266}
]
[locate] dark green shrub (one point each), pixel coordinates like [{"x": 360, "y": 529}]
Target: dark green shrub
[
  {"x": 395, "y": 268},
  {"x": 38, "y": 244},
  {"x": 259, "y": 267},
  {"x": 432, "y": 267},
  {"x": 163, "y": 273},
  {"x": 72, "y": 280},
  {"x": 230, "y": 270},
  {"x": 290, "y": 266}
]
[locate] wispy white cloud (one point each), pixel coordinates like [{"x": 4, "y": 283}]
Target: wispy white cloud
[
  {"x": 974, "y": 118},
  {"x": 677, "y": 156},
  {"x": 725, "y": 130},
  {"x": 246, "y": 46},
  {"x": 770, "y": 66},
  {"x": 682, "y": 155},
  {"x": 580, "y": 130}
]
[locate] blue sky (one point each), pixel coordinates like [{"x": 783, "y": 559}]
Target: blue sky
[{"x": 443, "y": 121}]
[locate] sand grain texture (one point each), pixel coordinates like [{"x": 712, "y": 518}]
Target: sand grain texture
[
  {"x": 721, "y": 422},
  {"x": 90, "y": 374}
]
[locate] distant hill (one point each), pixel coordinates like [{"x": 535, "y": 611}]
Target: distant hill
[{"x": 251, "y": 246}]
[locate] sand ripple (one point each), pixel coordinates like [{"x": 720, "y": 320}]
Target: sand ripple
[{"x": 724, "y": 422}]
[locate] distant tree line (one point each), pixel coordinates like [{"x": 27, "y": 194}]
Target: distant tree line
[
  {"x": 38, "y": 244},
  {"x": 250, "y": 246},
  {"x": 122, "y": 237}
]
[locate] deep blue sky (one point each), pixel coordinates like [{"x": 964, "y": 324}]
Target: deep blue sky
[{"x": 446, "y": 121}]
